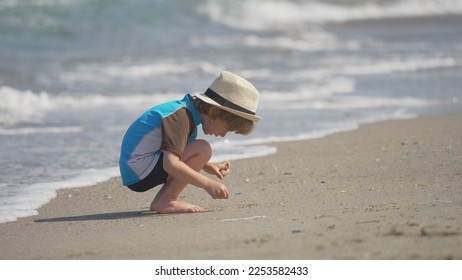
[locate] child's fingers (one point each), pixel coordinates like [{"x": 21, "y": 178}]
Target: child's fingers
[
  {"x": 224, "y": 165},
  {"x": 222, "y": 193},
  {"x": 218, "y": 191}
]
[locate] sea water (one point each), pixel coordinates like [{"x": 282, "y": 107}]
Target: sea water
[{"x": 74, "y": 74}]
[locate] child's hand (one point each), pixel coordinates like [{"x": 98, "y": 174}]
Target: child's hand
[
  {"x": 217, "y": 190},
  {"x": 224, "y": 168},
  {"x": 218, "y": 169}
]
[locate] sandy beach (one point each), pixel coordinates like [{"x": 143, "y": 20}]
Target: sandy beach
[{"x": 390, "y": 190}]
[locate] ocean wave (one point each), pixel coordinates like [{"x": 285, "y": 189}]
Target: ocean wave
[
  {"x": 28, "y": 107},
  {"x": 310, "y": 86},
  {"x": 22, "y": 106},
  {"x": 279, "y": 15}
]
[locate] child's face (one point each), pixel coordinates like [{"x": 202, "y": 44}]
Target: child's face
[{"x": 215, "y": 126}]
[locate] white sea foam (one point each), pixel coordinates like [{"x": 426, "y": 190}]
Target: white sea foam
[
  {"x": 315, "y": 90},
  {"x": 130, "y": 72},
  {"x": 279, "y": 15},
  {"x": 233, "y": 152},
  {"x": 26, "y": 200},
  {"x": 331, "y": 70},
  {"x": 334, "y": 93},
  {"x": 29, "y": 107},
  {"x": 22, "y": 106},
  {"x": 308, "y": 40}
]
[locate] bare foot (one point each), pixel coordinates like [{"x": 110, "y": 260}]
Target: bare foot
[{"x": 175, "y": 206}]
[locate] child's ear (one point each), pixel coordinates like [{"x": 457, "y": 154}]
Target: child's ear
[{"x": 214, "y": 112}]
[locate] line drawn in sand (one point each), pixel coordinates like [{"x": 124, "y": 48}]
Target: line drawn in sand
[{"x": 243, "y": 219}]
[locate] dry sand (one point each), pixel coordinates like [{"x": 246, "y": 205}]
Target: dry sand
[{"x": 391, "y": 190}]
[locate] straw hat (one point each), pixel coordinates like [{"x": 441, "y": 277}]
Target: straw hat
[{"x": 233, "y": 94}]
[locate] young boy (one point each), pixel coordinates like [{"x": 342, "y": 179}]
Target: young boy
[{"x": 160, "y": 147}]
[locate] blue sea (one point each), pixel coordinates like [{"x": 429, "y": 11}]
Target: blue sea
[{"x": 74, "y": 74}]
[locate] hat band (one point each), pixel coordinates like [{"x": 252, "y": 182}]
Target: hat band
[{"x": 223, "y": 102}]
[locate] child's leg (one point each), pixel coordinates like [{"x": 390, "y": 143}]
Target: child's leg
[{"x": 195, "y": 155}]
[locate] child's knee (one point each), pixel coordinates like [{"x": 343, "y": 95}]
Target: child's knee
[
  {"x": 204, "y": 148},
  {"x": 200, "y": 148}
]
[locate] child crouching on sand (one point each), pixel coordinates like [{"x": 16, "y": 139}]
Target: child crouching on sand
[{"x": 160, "y": 147}]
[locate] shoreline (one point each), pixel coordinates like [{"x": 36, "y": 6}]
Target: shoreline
[{"x": 389, "y": 190}]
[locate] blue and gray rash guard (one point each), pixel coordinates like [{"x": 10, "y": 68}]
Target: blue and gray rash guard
[{"x": 166, "y": 127}]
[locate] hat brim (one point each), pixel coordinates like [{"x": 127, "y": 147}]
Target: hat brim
[{"x": 246, "y": 116}]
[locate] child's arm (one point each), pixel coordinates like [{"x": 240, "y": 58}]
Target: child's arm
[{"x": 181, "y": 171}]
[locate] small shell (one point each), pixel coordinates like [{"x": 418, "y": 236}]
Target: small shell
[{"x": 224, "y": 172}]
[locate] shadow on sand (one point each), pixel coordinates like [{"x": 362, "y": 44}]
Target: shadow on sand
[
  {"x": 108, "y": 216},
  {"x": 100, "y": 217}
]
